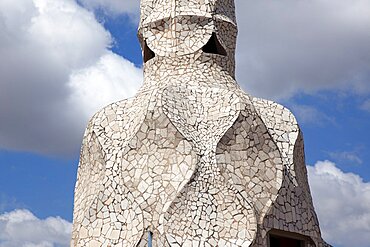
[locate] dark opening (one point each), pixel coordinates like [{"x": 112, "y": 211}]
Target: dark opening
[
  {"x": 214, "y": 46},
  {"x": 279, "y": 241},
  {"x": 148, "y": 53}
]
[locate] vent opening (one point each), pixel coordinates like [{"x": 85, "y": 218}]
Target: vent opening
[
  {"x": 214, "y": 46},
  {"x": 278, "y": 241},
  {"x": 148, "y": 53},
  {"x": 279, "y": 238}
]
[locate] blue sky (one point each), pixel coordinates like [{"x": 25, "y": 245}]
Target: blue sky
[{"x": 62, "y": 60}]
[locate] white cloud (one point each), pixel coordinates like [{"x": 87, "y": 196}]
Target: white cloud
[
  {"x": 342, "y": 203},
  {"x": 310, "y": 115},
  {"x": 110, "y": 79},
  {"x": 20, "y": 228},
  {"x": 346, "y": 156},
  {"x": 366, "y": 105},
  {"x": 45, "y": 47},
  {"x": 9, "y": 202},
  {"x": 130, "y": 7},
  {"x": 291, "y": 46}
]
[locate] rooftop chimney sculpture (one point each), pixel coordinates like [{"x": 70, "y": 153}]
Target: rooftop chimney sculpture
[{"x": 192, "y": 160}]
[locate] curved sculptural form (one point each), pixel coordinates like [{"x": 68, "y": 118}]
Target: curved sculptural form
[{"x": 192, "y": 160}]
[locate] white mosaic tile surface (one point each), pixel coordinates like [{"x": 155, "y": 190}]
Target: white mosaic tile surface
[{"x": 191, "y": 158}]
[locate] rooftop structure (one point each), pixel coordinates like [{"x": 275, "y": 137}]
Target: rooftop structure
[{"x": 192, "y": 160}]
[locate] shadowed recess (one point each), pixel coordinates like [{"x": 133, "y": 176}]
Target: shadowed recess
[
  {"x": 214, "y": 46},
  {"x": 148, "y": 53}
]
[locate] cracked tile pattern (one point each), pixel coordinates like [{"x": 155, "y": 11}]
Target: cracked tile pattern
[{"x": 191, "y": 159}]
